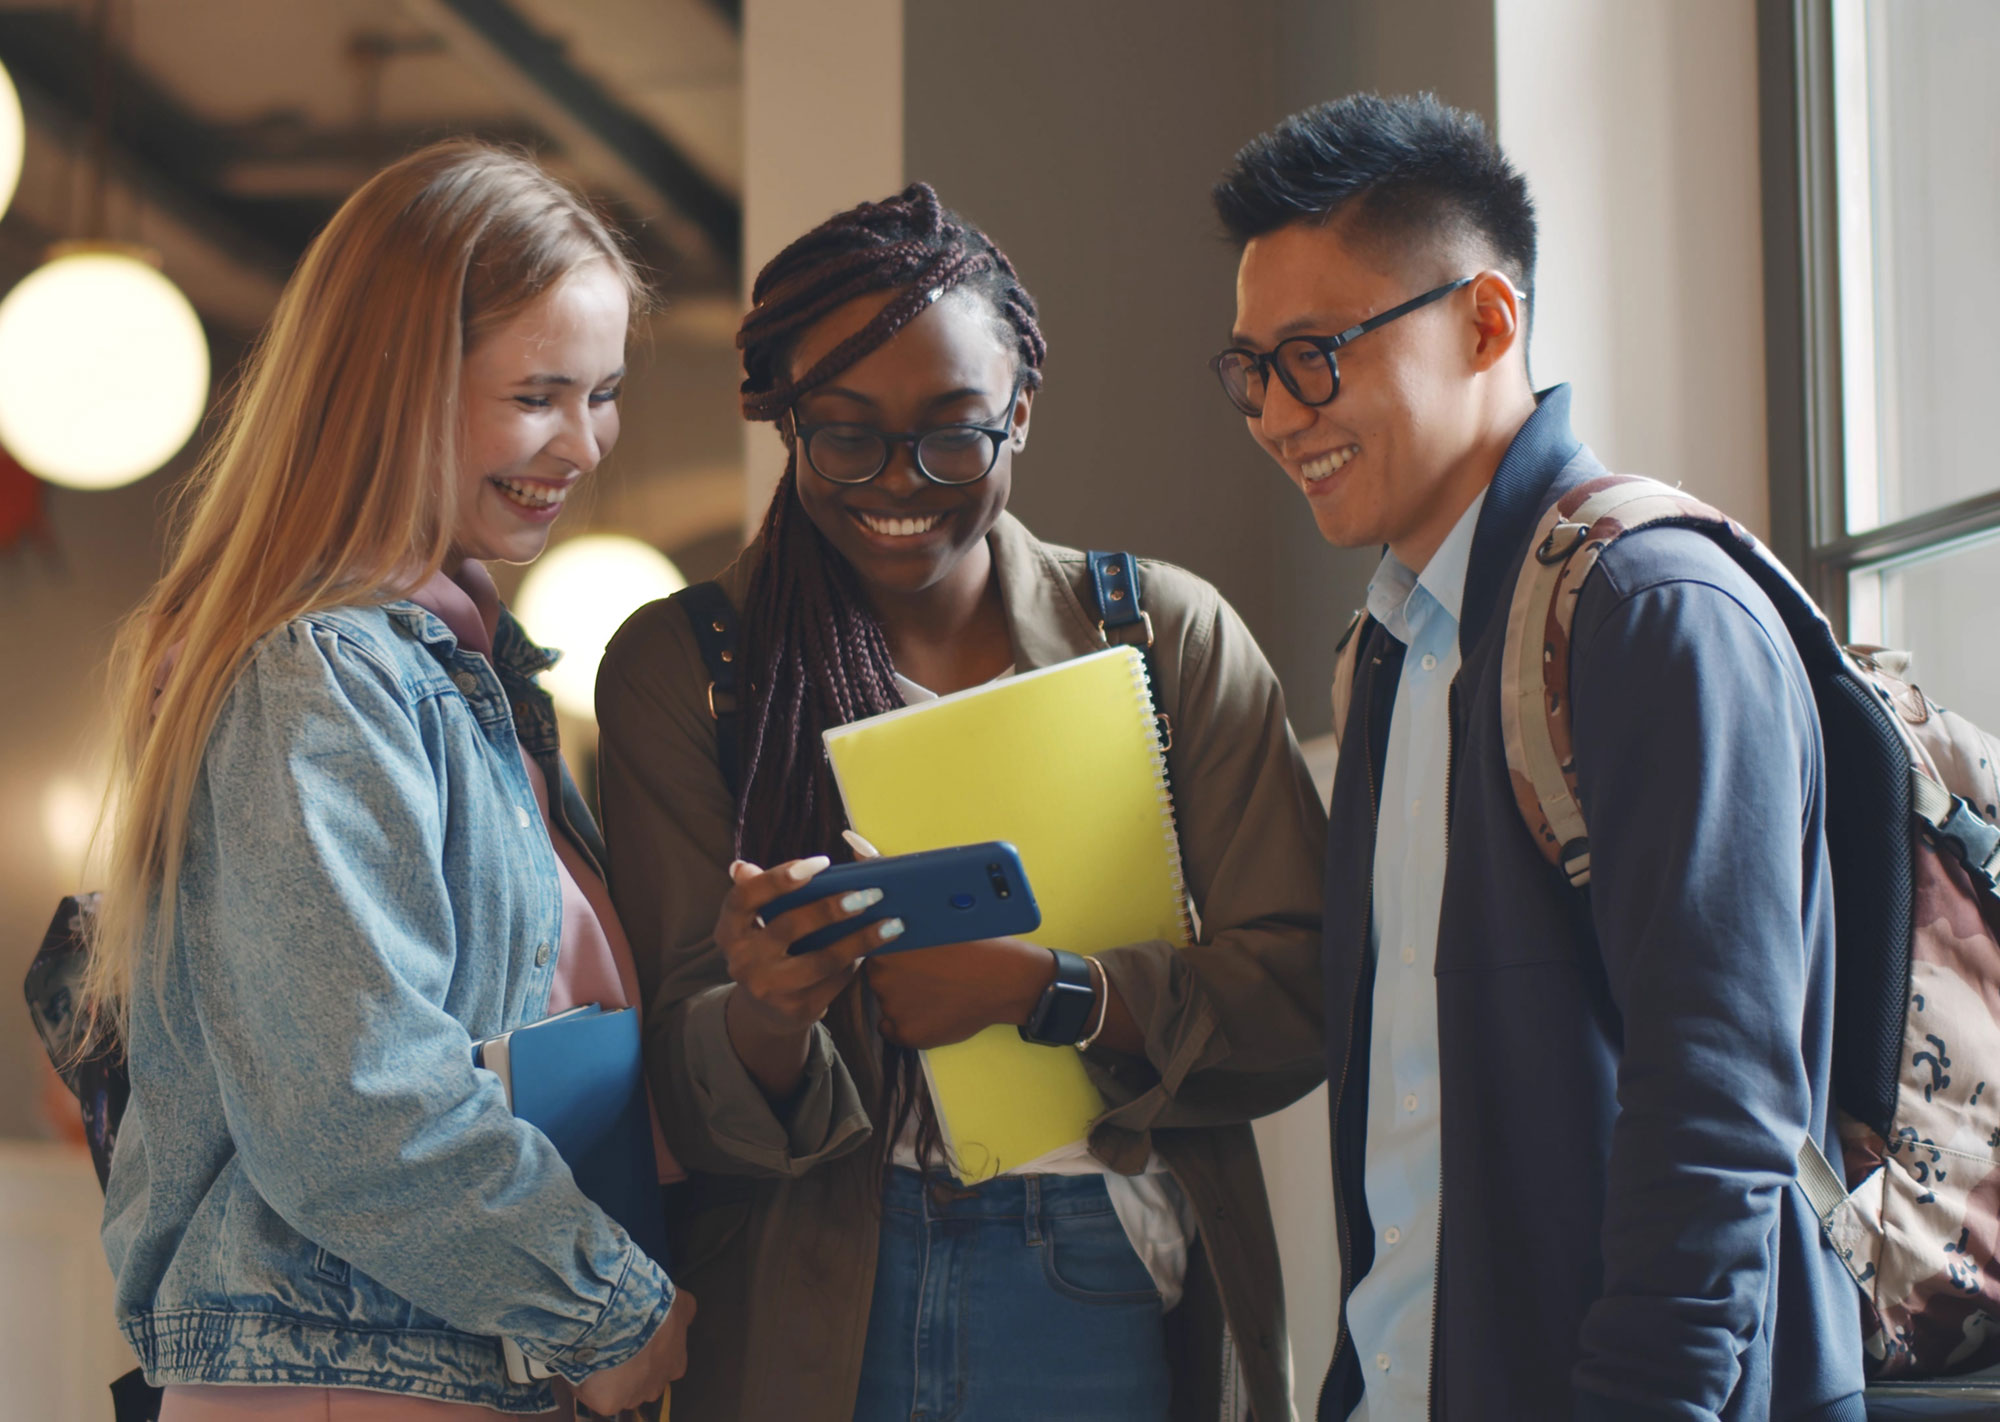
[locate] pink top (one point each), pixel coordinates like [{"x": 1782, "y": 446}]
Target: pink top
[{"x": 593, "y": 960}]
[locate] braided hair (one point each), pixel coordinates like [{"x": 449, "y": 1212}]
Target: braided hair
[{"x": 816, "y": 655}]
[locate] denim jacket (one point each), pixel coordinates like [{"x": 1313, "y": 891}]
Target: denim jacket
[{"x": 313, "y": 1185}]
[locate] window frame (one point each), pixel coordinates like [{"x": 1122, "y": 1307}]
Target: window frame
[{"x": 1802, "y": 327}]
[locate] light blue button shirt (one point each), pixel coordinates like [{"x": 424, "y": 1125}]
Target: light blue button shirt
[{"x": 1389, "y": 1315}]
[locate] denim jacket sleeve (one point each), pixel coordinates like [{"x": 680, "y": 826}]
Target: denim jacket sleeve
[
  {"x": 1699, "y": 769},
  {"x": 321, "y": 959}
]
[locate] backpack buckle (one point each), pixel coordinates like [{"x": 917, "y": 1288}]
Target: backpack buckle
[
  {"x": 1562, "y": 541},
  {"x": 727, "y": 707},
  {"x": 1971, "y": 841},
  {"x": 1143, "y": 629}
]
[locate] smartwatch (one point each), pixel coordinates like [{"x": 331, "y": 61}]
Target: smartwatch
[{"x": 1062, "y": 1016}]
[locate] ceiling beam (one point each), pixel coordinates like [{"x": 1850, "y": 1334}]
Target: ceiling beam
[{"x": 634, "y": 144}]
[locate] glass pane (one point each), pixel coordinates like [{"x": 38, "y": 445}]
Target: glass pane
[
  {"x": 1917, "y": 144},
  {"x": 1942, "y": 609}
]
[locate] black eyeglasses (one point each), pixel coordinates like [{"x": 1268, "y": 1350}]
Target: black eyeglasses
[
  {"x": 1305, "y": 363},
  {"x": 948, "y": 454}
]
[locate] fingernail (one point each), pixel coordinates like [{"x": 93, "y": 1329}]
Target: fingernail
[
  {"x": 889, "y": 928},
  {"x": 861, "y": 899},
  {"x": 806, "y": 868},
  {"x": 734, "y": 865}
]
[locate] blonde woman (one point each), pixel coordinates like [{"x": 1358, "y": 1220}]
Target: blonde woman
[{"x": 347, "y": 849}]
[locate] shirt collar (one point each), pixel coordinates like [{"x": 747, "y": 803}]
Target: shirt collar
[{"x": 1443, "y": 578}]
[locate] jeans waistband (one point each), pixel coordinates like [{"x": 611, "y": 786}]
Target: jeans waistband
[{"x": 1005, "y": 1197}]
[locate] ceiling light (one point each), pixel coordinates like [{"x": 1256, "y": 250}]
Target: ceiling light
[
  {"x": 103, "y": 367},
  {"x": 577, "y": 595},
  {"x": 13, "y": 138}
]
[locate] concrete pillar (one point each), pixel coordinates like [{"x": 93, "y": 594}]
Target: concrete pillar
[
  {"x": 822, "y": 130},
  {"x": 1636, "y": 124}
]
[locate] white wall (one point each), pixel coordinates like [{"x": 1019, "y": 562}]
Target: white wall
[
  {"x": 823, "y": 129},
  {"x": 1636, "y": 123},
  {"x": 59, "y": 1349}
]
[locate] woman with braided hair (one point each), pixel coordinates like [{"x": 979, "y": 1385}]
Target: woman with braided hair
[{"x": 842, "y": 1270}]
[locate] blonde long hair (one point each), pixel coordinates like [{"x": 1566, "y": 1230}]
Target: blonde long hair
[{"x": 331, "y": 481}]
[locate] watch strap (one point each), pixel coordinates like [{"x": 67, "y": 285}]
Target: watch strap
[{"x": 1063, "y": 1014}]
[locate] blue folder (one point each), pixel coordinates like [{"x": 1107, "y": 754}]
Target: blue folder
[{"x": 577, "y": 1078}]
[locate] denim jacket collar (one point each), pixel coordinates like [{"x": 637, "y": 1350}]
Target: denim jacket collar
[
  {"x": 517, "y": 705},
  {"x": 517, "y": 660}
]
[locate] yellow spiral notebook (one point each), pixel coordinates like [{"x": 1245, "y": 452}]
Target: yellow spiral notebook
[{"x": 1066, "y": 763}]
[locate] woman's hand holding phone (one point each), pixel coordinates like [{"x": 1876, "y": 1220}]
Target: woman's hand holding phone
[
  {"x": 778, "y": 997},
  {"x": 932, "y": 997}
]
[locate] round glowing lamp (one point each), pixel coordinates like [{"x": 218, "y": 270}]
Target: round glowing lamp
[
  {"x": 13, "y": 139},
  {"x": 578, "y": 594},
  {"x": 103, "y": 367}
]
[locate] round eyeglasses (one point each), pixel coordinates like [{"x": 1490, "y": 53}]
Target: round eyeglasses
[
  {"x": 845, "y": 453},
  {"x": 1305, "y": 364}
]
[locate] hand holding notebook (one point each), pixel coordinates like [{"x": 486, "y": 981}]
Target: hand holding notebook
[{"x": 1066, "y": 763}]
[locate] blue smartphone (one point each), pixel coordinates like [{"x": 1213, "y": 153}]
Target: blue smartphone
[{"x": 956, "y": 895}]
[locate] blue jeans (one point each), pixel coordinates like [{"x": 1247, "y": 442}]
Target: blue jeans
[{"x": 1019, "y": 1298}]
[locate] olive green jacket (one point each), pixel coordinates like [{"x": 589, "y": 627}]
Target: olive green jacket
[{"x": 776, "y": 1231}]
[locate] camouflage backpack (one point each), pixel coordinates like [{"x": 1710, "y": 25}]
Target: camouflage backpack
[{"x": 1910, "y": 812}]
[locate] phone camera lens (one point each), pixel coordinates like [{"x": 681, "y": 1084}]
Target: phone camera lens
[{"x": 996, "y": 875}]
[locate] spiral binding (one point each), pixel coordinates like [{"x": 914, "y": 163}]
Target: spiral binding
[{"x": 1142, "y": 683}]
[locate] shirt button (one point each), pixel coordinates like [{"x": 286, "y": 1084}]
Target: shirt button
[
  {"x": 466, "y": 682},
  {"x": 1430, "y": 662},
  {"x": 1382, "y": 1361},
  {"x": 1392, "y": 1235},
  {"x": 1410, "y": 1102},
  {"x": 1409, "y": 954},
  {"x": 541, "y": 955},
  {"x": 521, "y": 816}
]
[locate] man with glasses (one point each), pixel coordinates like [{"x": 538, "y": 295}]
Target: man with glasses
[{"x": 1564, "y": 1120}]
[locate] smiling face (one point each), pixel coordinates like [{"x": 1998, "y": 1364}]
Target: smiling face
[
  {"x": 901, "y": 532},
  {"x": 539, "y": 396},
  {"x": 1403, "y": 448}
]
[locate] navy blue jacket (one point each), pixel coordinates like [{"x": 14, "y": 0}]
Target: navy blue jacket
[{"x": 1627, "y": 1071}]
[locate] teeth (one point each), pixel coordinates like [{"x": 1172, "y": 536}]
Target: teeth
[
  {"x": 899, "y": 527},
  {"x": 533, "y": 496},
  {"x": 1319, "y": 468}
]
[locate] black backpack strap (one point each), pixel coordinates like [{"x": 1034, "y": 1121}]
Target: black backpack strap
[
  {"x": 1123, "y": 621},
  {"x": 713, "y": 617},
  {"x": 1114, "y": 579},
  {"x": 133, "y": 1399}
]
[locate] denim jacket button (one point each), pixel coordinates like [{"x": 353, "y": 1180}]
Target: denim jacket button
[
  {"x": 583, "y": 1353},
  {"x": 466, "y": 682},
  {"x": 541, "y": 955}
]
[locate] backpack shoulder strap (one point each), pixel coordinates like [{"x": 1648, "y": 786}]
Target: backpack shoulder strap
[
  {"x": 1123, "y": 621},
  {"x": 1346, "y": 659},
  {"x": 1535, "y": 670},
  {"x": 1114, "y": 584},
  {"x": 713, "y": 618}
]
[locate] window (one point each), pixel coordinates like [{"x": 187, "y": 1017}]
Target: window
[{"x": 1884, "y": 137}]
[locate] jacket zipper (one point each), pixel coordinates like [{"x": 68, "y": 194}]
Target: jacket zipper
[
  {"x": 1340, "y": 1340},
  {"x": 1437, "y": 1253}
]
